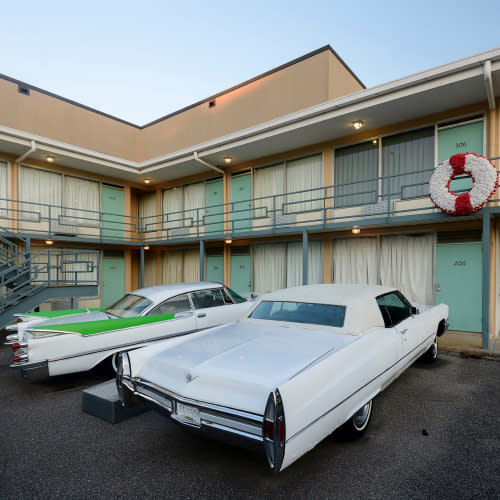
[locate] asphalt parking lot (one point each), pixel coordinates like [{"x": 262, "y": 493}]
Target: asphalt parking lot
[{"x": 435, "y": 433}]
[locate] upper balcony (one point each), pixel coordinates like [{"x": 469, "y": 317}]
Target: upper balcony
[{"x": 379, "y": 201}]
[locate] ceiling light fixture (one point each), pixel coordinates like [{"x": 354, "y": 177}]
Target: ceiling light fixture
[
  {"x": 148, "y": 180},
  {"x": 228, "y": 160},
  {"x": 356, "y": 230},
  {"x": 146, "y": 247},
  {"x": 357, "y": 124},
  {"x": 50, "y": 159},
  {"x": 49, "y": 242},
  {"x": 228, "y": 241}
]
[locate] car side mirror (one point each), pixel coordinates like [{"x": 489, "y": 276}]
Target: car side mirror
[{"x": 414, "y": 310}]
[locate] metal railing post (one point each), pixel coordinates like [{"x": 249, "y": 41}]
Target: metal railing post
[
  {"x": 141, "y": 267},
  {"x": 202, "y": 260},
  {"x": 486, "y": 281},
  {"x": 305, "y": 243}
]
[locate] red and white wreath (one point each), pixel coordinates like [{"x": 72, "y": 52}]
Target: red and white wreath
[{"x": 484, "y": 177}]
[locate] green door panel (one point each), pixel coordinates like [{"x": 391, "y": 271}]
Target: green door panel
[
  {"x": 241, "y": 193},
  {"x": 215, "y": 268},
  {"x": 459, "y": 284},
  {"x": 462, "y": 139},
  {"x": 214, "y": 219},
  {"x": 113, "y": 208},
  {"x": 113, "y": 279},
  {"x": 241, "y": 274}
]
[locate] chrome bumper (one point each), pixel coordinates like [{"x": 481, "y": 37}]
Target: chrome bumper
[
  {"x": 212, "y": 417},
  {"x": 37, "y": 370}
]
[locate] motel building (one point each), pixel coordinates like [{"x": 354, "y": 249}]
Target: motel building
[{"x": 299, "y": 175}]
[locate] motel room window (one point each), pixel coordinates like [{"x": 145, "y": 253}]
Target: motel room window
[
  {"x": 38, "y": 188},
  {"x": 356, "y": 175},
  {"x": 4, "y": 192},
  {"x": 408, "y": 160},
  {"x": 181, "y": 266},
  {"x": 181, "y": 208}
]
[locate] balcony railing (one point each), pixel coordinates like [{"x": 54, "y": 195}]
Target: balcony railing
[{"x": 381, "y": 199}]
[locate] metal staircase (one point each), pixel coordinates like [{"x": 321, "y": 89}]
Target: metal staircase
[{"x": 28, "y": 280}]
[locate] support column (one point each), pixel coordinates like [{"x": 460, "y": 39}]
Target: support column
[
  {"x": 486, "y": 280},
  {"x": 305, "y": 244},
  {"x": 141, "y": 267},
  {"x": 202, "y": 260}
]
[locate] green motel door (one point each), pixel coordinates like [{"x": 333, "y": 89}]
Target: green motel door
[
  {"x": 214, "y": 219},
  {"x": 459, "y": 284},
  {"x": 113, "y": 208},
  {"x": 466, "y": 138},
  {"x": 113, "y": 280},
  {"x": 241, "y": 193},
  {"x": 241, "y": 274},
  {"x": 215, "y": 268}
]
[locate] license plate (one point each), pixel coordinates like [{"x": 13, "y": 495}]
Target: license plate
[{"x": 187, "y": 413}]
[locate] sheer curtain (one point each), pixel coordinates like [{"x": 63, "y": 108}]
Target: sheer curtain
[
  {"x": 267, "y": 182},
  {"x": 149, "y": 269},
  {"x": 172, "y": 208},
  {"x": 191, "y": 266},
  {"x": 269, "y": 267},
  {"x": 4, "y": 189},
  {"x": 303, "y": 174},
  {"x": 80, "y": 201},
  {"x": 355, "y": 260},
  {"x": 314, "y": 263},
  {"x": 147, "y": 208},
  {"x": 39, "y": 186},
  {"x": 406, "y": 262},
  {"x": 172, "y": 267},
  {"x": 194, "y": 198}
]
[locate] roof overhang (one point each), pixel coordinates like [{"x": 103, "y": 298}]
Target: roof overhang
[{"x": 468, "y": 81}]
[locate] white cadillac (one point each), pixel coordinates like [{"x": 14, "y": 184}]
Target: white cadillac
[
  {"x": 304, "y": 362},
  {"x": 56, "y": 343}
]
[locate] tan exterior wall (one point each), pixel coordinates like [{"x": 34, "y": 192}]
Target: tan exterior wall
[
  {"x": 293, "y": 88},
  {"x": 48, "y": 116}
]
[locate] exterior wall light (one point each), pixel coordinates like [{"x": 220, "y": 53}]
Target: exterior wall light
[
  {"x": 356, "y": 230},
  {"x": 228, "y": 241},
  {"x": 49, "y": 242},
  {"x": 228, "y": 160},
  {"x": 357, "y": 124},
  {"x": 50, "y": 159},
  {"x": 148, "y": 180}
]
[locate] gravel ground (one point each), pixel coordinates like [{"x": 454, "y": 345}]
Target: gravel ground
[{"x": 435, "y": 433}]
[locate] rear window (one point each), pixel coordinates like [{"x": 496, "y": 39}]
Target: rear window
[{"x": 301, "y": 312}]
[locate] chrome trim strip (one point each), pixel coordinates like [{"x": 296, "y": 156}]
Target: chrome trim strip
[
  {"x": 223, "y": 409},
  {"x": 361, "y": 388},
  {"x": 121, "y": 346},
  {"x": 235, "y": 431}
]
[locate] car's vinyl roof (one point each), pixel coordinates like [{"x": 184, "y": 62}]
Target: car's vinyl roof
[{"x": 162, "y": 292}]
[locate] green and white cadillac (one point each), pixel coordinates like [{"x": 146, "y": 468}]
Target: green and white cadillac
[{"x": 60, "y": 342}]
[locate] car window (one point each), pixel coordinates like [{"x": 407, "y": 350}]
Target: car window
[
  {"x": 301, "y": 312},
  {"x": 207, "y": 298},
  {"x": 226, "y": 297},
  {"x": 177, "y": 304},
  {"x": 237, "y": 297},
  {"x": 129, "y": 306},
  {"x": 393, "y": 309}
]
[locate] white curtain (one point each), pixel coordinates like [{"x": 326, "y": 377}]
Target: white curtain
[
  {"x": 355, "y": 260},
  {"x": 147, "y": 209},
  {"x": 303, "y": 174},
  {"x": 172, "y": 267},
  {"x": 149, "y": 269},
  {"x": 194, "y": 199},
  {"x": 73, "y": 268},
  {"x": 191, "y": 265},
  {"x": 4, "y": 189},
  {"x": 294, "y": 263},
  {"x": 269, "y": 267},
  {"x": 406, "y": 262},
  {"x": 39, "y": 186},
  {"x": 80, "y": 201},
  {"x": 172, "y": 208},
  {"x": 267, "y": 182}
]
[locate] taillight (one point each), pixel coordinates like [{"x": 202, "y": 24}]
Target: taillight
[
  {"x": 274, "y": 431},
  {"x": 16, "y": 346},
  {"x": 19, "y": 358}
]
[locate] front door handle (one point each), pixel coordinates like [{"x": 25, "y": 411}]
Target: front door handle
[
  {"x": 202, "y": 315},
  {"x": 404, "y": 331}
]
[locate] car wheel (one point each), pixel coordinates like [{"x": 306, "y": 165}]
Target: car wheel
[
  {"x": 431, "y": 354},
  {"x": 358, "y": 423}
]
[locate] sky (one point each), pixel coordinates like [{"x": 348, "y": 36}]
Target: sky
[{"x": 141, "y": 60}]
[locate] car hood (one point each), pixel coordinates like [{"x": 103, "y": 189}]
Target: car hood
[{"x": 238, "y": 364}]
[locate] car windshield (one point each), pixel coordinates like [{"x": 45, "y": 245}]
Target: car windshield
[
  {"x": 301, "y": 312},
  {"x": 129, "y": 306}
]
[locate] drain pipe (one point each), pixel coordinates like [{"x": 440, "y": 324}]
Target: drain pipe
[
  {"x": 25, "y": 155},
  {"x": 213, "y": 167},
  {"x": 489, "y": 84}
]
